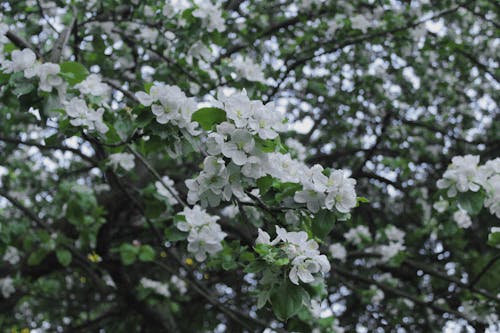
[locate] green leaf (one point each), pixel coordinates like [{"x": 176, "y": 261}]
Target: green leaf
[
  {"x": 323, "y": 223},
  {"x": 397, "y": 260},
  {"x": 262, "y": 298},
  {"x": 146, "y": 253},
  {"x": 228, "y": 262},
  {"x": 264, "y": 183},
  {"x": 144, "y": 118},
  {"x": 23, "y": 88},
  {"x": 287, "y": 300},
  {"x": 173, "y": 234},
  {"x": 362, "y": 200},
  {"x": 255, "y": 266},
  {"x": 73, "y": 72},
  {"x": 36, "y": 257},
  {"x": 287, "y": 190},
  {"x": 128, "y": 253},
  {"x": 472, "y": 202},
  {"x": 208, "y": 117},
  {"x": 64, "y": 257},
  {"x": 494, "y": 239},
  {"x": 282, "y": 261},
  {"x": 154, "y": 208}
]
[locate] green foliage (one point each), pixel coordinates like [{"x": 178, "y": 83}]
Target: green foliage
[
  {"x": 73, "y": 72},
  {"x": 472, "y": 202},
  {"x": 209, "y": 117},
  {"x": 63, "y": 256},
  {"x": 323, "y": 223},
  {"x": 392, "y": 100},
  {"x": 130, "y": 253},
  {"x": 287, "y": 300}
]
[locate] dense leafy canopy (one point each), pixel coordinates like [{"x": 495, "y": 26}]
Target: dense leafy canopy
[{"x": 249, "y": 166}]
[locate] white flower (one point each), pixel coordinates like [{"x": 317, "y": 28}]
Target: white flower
[
  {"x": 266, "y": 121},
  {"x": 315, "y": 308},
  {"x": 174, "y": 106},
  {"x": 200, "y": 51},
  {"x": 82, "y": 115},
  {"x": 158, "y": 287},
  {"x": 215, "y": 183},
  {"x": 11, "y": 255},
  {"x": 441, "y": 205},
  {"x": 148, "y": 34},
  {"x": 48, "y": 75},
  {"x": 314, "y": 200},
  {"x": 179, "y": 284},
  {"x": 210, "y": 15},
  {"x": 360, "y": 22},
  {"x": 303, "y": 268},
  {"x": 283, "y": 167},
  {"x": 205, "y": 240},
  {"x": 297, "y": 149},
  {"x": 167, "y": 192},
  {"x": 462, "y": 219},
  {"x": 394, "y": 234},
  {"x": 462, "y": 175},
  {"x": 264, "y": 238},
  {"x": 490, "y": 168},
  {"x": 173, "y": 7},
  {"x": 230, "y": 211},
  {"x": 378, "y": 294},
  {"x": 205, "y": 235},
  {"x": 238, "y": 107},
  {"x": 387, "y": 251},
  {"x": 7, "y": 286},
  {"x": 21, "y": 60},
  {"x": 338, "y": 251},
  {"x": 93, "y": 85},
  {"x": 148, "y": 11},
  {"x": 144, "y": 98},
  {"x": 125, "y": 160},
  {"x": 341, "y": 192},
  {"x": 334, "y": 25},
  {"x": 358, "y": 235},
  {"x": 492, "y": 200},
  {"x": 305, "y": 257},
  {"x": 238, "y": 147},
  {"x": 247, "y": 69}
]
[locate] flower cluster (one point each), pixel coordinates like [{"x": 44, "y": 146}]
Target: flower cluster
[
  {"x": 25, "y": 61},
  {"x": 395, "y": 244},
  {"x": 296, "y": 148},
  {"x": 358, "y": 235},
  {"x": 7, "y": 286},
  {"x": 210, "y": 15},
  {"x": 156, "y": 286},
  {"x": 248, "y": 69},
  {"x": 305, "y": 258},
  {"x": 82, "y": 115},
  {"x": 465, "y": 174},
  {"x": 338, "y": 251},
  {"x": 205, "y": 235},
  {"x": 170, "y": 105},
  {"x": 125, "y": 160},
  {"x": 163, "y": 289},
  {"x": 336, "y": 190},
  {"x": 462, "y": 219},
  {"x": 94, "y": 86},
  {"x": 169, "y": 192},
  {"x": 462, "y": 175},
  {"x": 79, "y": 113},
  {"x": 239, "y": 139},
  {"x": 11, "y": 255}
]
